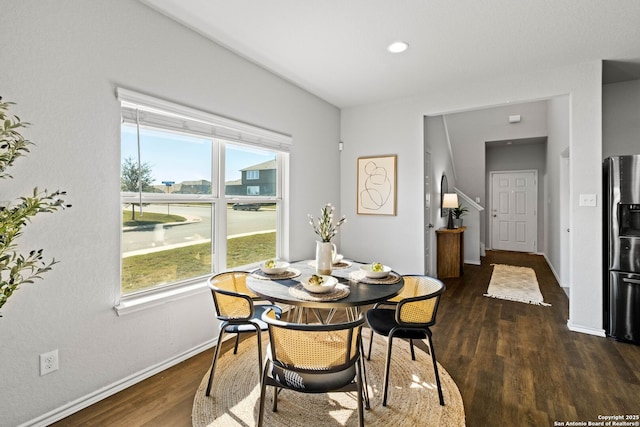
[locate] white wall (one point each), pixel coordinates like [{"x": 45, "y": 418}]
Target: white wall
[
  {"x": 61, "y": 62},
  {"x": 556, "y": 219},
  {"x": 621, "y": 119},
  {"x": 394, "y": 240},
  {"x": 374, "y": 129}
]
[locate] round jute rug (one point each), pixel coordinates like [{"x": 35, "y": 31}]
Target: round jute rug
[{"x": 412, "y": 399}]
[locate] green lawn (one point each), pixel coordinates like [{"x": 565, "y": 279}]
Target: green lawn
[
  {"x": 148, "y": 218},
  {"x": 142, "y": 271}
]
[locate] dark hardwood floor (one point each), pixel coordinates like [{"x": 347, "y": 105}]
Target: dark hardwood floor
[{"x": 515, "y": 364}]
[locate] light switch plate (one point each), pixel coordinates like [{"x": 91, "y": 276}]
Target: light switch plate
[{"x": 588, "y": 200}]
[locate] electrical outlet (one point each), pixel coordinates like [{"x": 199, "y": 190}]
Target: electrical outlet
[{"x": 48, "y": 362}]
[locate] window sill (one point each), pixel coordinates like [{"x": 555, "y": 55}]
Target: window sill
[{"x": 136, "y": 303}]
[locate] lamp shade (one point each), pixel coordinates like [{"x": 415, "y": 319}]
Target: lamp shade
[{"x": 450, "y": 201}]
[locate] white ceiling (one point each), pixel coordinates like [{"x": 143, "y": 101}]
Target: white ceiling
[{"x": 336, "y": 49}]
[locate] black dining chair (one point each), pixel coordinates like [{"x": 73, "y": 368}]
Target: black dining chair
[
  {"x": 235, "y": 308},
  {"x": 413, "y": 313},
  {"x": 312, "y": 358}
]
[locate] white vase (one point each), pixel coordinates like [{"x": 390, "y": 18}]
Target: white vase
[{"x": 324, "y": 257}]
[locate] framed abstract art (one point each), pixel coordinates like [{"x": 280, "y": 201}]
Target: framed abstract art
[{"x": 376, "y": 185}]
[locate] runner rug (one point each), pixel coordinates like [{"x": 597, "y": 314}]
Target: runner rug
[
  {"x": 412, "y": 400},
  {"x": 513, "y": 283}
]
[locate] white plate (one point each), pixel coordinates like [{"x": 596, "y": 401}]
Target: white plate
[
  {"x": 281, "y": 267},
  {"x": 328, "y": 283},
  {"x": 375, "y": 274}
]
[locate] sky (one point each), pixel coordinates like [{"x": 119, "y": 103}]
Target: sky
[{"x": 179, "y": 158}]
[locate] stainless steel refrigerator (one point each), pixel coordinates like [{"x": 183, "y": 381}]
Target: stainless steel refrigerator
[{"x": 622, "y": 247}]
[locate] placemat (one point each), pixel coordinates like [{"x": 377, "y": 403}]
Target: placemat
[
  {"x": 360, "y": 276},
  {"x": 337, "y": 266},
  {"x": 340, "y": 291},
  {"x": 289, "y": 274}
]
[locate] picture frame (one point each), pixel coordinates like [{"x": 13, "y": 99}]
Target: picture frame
[{"x": 376, "y": 185}]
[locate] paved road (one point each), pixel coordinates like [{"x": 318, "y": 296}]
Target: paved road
[{"x": 198, "y": 229}]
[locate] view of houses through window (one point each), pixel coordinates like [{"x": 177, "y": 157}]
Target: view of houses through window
[{"x": 181, "y": 220}]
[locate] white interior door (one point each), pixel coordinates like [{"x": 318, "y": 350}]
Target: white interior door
[
  {"x": 514, "y": 199},
  {"x": 427, "y": 214}
]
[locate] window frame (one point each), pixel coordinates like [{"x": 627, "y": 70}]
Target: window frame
[{"x": 217, "y": 129}]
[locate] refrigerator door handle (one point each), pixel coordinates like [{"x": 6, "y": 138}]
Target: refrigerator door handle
[{"x": 634, "y": 281}]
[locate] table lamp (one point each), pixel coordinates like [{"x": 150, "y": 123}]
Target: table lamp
[{"x": 450, "y": 201}]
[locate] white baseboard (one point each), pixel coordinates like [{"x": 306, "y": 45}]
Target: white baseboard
[
  {"x": 474, "y": 262},
  {"x": 585, "y": 330},
  {"x": 553, "y": 270},
  {"x": 98, "y": 395}
]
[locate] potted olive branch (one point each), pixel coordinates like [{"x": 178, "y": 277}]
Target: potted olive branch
[
  {"x": 16, "y": 268},
  {"x": 458, "y": 213},
  {"x": 326, "y": 229}
]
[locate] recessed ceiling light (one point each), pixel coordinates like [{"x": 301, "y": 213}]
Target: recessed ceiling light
[{"x": 398, "y": 47}]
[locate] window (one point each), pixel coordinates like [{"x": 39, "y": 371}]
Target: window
[{"x": 187, "y": 208}]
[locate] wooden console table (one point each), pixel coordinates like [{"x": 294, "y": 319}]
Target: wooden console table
[{"x": 450, "y": 252}]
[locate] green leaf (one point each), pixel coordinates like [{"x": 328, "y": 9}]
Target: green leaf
[{"x": 15, "y": 268}]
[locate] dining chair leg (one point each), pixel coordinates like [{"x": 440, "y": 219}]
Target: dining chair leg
[
  {"x": 361, "y": 396},
  {"x": 215, "y": 357},
  {"x": 413, "y": 353},
  {"x": 259, "y": 335},
  {"x": 370, "y": 345},
  {"x": 263, "y": 392},
  {"x": 275, "y": 399},
  {"x": 235, "y": 347},
  {"x": 387, "y": 367},
  {"x": 435, "y": 369},
  {"x": 363, "y": 368}
]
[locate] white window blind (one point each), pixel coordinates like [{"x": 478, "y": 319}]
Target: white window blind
[{"x": 154, "y": 112}]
